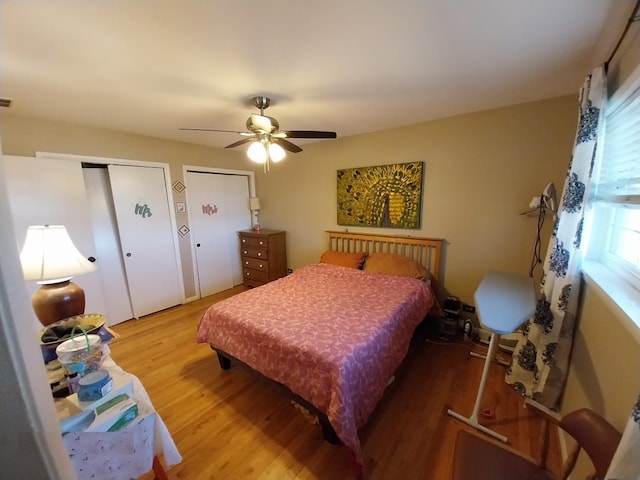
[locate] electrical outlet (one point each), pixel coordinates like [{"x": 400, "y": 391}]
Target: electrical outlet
[{"x": 468, "y": 308}]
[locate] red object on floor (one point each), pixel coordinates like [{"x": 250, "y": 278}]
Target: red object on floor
[{"x": 486, "y": 413}]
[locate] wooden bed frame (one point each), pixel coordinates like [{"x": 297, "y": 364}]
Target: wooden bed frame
[{"x": 426, "y": 251}]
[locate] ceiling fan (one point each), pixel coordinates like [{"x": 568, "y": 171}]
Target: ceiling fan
[{"x": 268, "y": 142}]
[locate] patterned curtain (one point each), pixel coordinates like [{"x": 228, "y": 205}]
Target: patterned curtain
[
  {"x": 626, "y": 461},
  {"x": 541, "y": 357}
]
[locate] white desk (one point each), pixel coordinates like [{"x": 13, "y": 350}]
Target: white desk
[
  {"x": 504, "y": 301},
  {"x": 128, "y": 452}
]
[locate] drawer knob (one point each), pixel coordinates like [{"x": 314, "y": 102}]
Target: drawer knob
[
  {"x": 245, "y": 252},
  {"x": 260, "y": 265},
  {"x": 244, "y": 240},
  {"x": 248, "y": 274},
  {"x": 261, "y": 242},
  {"x": 259, "y": 254},
  {"x": 246, "y": 263}
]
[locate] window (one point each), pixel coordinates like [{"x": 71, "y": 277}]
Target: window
[{"x": 613, "y": 227}]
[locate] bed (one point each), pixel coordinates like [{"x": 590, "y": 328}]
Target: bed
[{"x": 332, "y": 334}]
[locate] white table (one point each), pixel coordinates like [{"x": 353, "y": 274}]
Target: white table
[
  {"x": 504, "y": 301},
  {"x": 128, "y": 452}
]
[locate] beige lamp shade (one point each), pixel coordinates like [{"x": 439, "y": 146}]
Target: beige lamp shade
[
  {"x": 254, "y": 203},
  {"x": 49, "y": 255}
]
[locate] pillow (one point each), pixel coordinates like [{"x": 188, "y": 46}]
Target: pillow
[
  {"x": 396, "y": 265},
  {"x": 344, "y": 259}
]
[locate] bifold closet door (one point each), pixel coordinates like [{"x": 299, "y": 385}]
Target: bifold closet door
[
  {"x": 45, "y": 191},
  {"x": 108, "y": 251},
  {"x": 146, "y": 237},
  {"x": 218, "y": 207}
]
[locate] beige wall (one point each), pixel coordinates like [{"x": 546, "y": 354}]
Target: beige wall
[{"x": 481, "y": 171}]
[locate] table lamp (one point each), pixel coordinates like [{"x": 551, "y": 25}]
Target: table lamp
[
  {"x": 254, "y": 206},
  {"x": 50, "y": 258}
]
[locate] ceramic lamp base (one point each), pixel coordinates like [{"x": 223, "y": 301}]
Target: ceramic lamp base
[{"x": 56, "y": 301}]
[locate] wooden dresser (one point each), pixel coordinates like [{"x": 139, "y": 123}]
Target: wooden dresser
[{"x": 263, "y": 255}]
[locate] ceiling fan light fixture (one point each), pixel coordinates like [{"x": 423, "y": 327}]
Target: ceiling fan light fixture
[
  {"x": 266, "y": 142},
  {"x": 257, "y": 152},
  {"x": 276, "y": 152}
]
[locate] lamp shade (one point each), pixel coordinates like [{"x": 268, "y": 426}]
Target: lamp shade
[
  {"x": 49, "y": 255},
  {"x": 254, "y": 203}
]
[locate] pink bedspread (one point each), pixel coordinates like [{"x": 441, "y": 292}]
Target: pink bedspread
[{"x": 333, "y": 335}]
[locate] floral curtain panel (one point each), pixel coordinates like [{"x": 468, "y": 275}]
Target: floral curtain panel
[
  {"x": 540, "y": 360},
  {"x": 626, "y": 461}
]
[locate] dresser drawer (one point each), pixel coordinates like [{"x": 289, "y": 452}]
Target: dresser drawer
[
  {"x": 254, "y": 252},
  {"x": 255, "y": 275},
  {"x": 253, "y": 241},
  {"x": 255, "y": 263}
]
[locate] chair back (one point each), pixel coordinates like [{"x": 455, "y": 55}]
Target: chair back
[{"x": 597, "y": 437}]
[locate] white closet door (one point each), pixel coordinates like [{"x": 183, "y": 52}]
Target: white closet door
[
  {"x": 146, "y": 237},
  {"x": 44, "y": 191},
  {"x": 108, "y": 251},
  {"x": 218, "y": 208},
  {"x": 236, "y": 194}
]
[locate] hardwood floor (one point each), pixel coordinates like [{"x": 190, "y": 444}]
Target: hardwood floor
[{"x": 231, "y": 425}]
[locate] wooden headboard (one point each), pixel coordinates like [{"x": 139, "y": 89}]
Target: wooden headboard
[{"x": 425, "y": 251}]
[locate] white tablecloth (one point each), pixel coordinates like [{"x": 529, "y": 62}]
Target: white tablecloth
[{"x": 127, "y": 453}]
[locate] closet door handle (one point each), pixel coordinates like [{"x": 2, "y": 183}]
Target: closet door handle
[
  {"x": 197, "y": 244},
  {"x": 92, "y": 259},
  {"x": 128, "y": 254}
]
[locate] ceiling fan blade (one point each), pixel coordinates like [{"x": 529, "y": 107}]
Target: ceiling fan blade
[
  {"x": 286, "y": 144},
  {"x": 240, "y": 142},
  {"x": 210, "y": 130},
  {"x": 310, "y": 134}
]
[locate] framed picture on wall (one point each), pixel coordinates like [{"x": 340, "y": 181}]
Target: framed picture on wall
[
  {"x": 181, "y": 207},
  {"x": 387, "y": 196}
]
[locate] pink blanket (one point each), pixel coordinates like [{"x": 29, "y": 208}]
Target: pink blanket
[{"x": 333, "y": 335}]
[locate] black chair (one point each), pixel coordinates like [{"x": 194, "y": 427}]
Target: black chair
[{"x": 478, "y": 457}]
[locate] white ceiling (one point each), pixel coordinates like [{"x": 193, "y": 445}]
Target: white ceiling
[{"x": 350, "y": 66}]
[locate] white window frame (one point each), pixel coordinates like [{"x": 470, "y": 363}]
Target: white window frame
[{"x": 617, "y": 283}]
